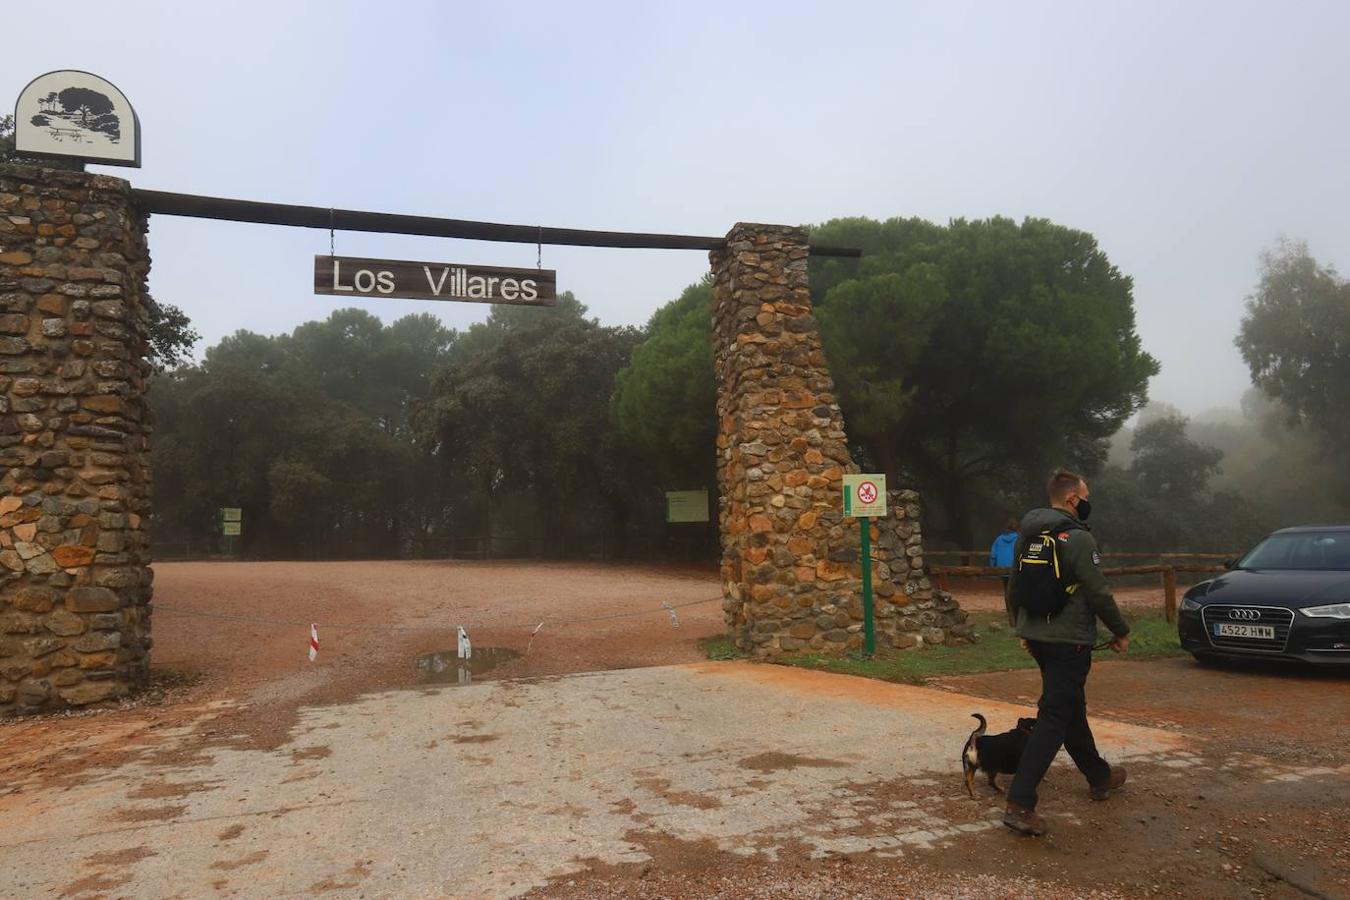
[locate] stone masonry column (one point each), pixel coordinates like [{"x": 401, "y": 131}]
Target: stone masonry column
[
  {"x": 789, "y": 560},
  {"x": 74, "y": 440}
]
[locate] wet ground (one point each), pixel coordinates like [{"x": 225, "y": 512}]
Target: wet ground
[
  {"x": 451, "y": 667},
  {"x": 250, "y": 772}
]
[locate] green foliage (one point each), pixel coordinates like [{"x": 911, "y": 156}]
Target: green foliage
[
  {"x": 975, "y": 356},
  {"x": 1162, "y": 500},
  {"x": 172, "y": 336},
  {"x": 291, "y": 429},
  {"x": 1295, "y": 339},
  {"x": 1284, "y": 468},
  {"x": 521, "y": 409},
  {"x": 8, "y": 154},
  {"x": 1168, "y": 464},
  {"x": 1218, "y": 484},
  {"x": 665, "y": 401},
  {"x": 6, "y": 139},
  {"x": 719, "y": 648},
  {"x": 876, "y": 331},
  {"x": 295, "y": 489},
  {"x": 998, "y": 650}
]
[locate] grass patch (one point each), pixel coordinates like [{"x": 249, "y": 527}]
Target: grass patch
[
  {"x": 998, "y": 650},
  {"x": 720, "y": 647}
]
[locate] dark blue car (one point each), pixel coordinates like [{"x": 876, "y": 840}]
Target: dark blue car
[{"x": 1289, "y": 598}]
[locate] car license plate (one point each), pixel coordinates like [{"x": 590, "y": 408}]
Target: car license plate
[{"x": 1233, "y": 629}]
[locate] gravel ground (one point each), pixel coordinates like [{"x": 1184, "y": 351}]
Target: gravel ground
[
  {"x": 1263, "y": 815},
  {"x": 233, "y": 638},
  {"x": 837, "y": 879}
]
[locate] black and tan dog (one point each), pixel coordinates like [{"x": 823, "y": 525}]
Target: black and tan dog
[{"x": 994, "y": 754}]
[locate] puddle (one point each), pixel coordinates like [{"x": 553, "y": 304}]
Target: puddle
[{"x": 446, "y": 668}]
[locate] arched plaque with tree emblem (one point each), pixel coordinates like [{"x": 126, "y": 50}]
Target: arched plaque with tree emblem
[{"x": 72, "y": 114}]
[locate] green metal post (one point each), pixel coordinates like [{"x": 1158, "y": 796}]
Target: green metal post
[{"x": 869, "y": 626}]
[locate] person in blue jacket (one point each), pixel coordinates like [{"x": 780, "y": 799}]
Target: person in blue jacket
[{"x": 1001, "y": 552}]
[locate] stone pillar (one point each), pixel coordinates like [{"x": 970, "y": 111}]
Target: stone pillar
[
  {"x": 910, "y": 611},
  {"x": 74, "y": 440},
  {"x": 789, "y": 559}
]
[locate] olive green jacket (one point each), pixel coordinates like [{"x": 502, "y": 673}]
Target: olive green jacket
[{"x": 1092, "y": 600}]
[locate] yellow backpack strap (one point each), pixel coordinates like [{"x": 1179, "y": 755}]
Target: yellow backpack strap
[{"x": 1054, "y": 550}]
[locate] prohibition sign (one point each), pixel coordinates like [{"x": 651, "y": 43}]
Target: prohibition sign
[{"x": 867, "y": 492}]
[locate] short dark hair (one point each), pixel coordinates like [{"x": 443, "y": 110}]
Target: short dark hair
[
  {"x": 1061, "y": 484},
  {"x": 1011, "y": 525}
]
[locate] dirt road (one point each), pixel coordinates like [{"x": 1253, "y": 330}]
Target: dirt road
[
  {"x": 376, "y": 617},
  {"x": 686, "y": 781},
  {"x": 233, "y": 638}
]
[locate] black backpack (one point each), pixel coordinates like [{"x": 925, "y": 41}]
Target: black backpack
[{"x": 1040, "y": 582}]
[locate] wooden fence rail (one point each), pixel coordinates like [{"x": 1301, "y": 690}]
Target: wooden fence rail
[
  {"x": 1173, "y": 555},
  {"x": 1168, "y": 573}
]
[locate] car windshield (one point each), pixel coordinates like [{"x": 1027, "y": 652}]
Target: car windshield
[{"x": 1319, "y": 550}]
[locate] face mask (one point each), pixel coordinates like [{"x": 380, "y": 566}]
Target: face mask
[{"x": 1083, "y": 510}]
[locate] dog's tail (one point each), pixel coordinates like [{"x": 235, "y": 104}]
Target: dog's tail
[{"x": 969, "y": 757}]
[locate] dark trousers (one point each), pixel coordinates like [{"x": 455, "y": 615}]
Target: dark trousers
[{"x": 1061, "y": 722}]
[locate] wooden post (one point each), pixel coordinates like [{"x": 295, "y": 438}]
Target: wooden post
[{"x": 1169, "y": 579}]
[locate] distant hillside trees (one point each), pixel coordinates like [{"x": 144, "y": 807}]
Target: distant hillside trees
[
  {"x": 518, "y": 416},
  {"x": 1295, "y": 339},
  {"x": 307, "y": 432}
]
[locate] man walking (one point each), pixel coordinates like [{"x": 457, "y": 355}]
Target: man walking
[{"x": 1057, "y": 595}]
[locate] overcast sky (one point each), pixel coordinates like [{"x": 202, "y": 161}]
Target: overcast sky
[{"x": 1186, "y": 136}]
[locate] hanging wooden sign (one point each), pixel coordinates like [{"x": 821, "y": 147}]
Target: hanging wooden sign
[{"x": 347, "y": 276}]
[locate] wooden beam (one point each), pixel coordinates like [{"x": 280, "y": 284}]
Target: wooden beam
[{"x": 170, "y": 204}]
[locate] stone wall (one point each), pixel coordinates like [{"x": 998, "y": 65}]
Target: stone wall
[
  {"x": 790, "y": 574},
  {"x": 74, "y": 439},
  {"x": 909, "y": 610}
]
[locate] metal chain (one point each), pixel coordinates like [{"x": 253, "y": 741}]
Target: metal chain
[
  {"x": 664, "y": 607},
  {"x": 539, "y": 250},
  {"x": 331, "y": 251}
]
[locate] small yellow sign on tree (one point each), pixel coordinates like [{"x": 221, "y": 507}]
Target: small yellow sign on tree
[{"x": 865, "y": 496}]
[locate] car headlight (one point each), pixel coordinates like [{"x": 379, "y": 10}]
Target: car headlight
[
  {"x": 1331, "y": 611},
  {"x": 1189, "y": 605}
]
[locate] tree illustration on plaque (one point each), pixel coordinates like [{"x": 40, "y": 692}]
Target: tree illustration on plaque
[{"x": 80, "y": 115}]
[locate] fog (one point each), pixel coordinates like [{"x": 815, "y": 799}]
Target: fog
[{"x": 1185, "y": 137}]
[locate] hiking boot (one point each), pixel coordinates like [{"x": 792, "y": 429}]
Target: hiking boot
[
  {"x": 1023, "y": 820},
  {"x": 1113, "y": 781}
]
